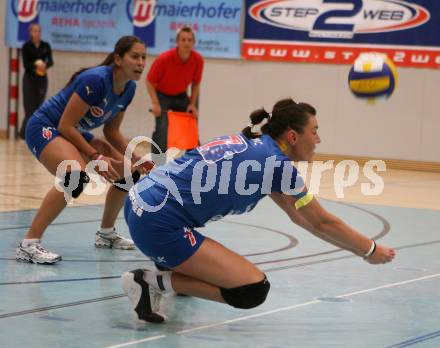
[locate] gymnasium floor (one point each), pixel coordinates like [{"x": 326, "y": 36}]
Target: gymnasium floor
[{"x": 320, "y": 296}]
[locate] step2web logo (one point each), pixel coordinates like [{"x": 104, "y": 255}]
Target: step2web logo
[{"x": 340, "y": 19}]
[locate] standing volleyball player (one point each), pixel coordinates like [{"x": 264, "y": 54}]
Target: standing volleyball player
[
  {"x": 168, "y": 79},
  {"x": 37, "y": 58},
  {"x": 58, "y": 131},
  {"x": 228, "y": 175}
]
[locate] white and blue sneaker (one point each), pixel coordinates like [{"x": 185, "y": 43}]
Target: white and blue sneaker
[
  {"x": 36, "y": 253},
  {"x": 113, "y": 240}
]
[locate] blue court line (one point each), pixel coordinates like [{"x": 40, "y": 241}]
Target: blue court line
[
  {"x": 332, "y": 259},
  {"x": 70, "y": 304},
  {"x": 264, "y": 262},
  {"x": 416, "y": 340},
  {"x": 385, "y": 223},
  {"x": 80, "y": 205},
  {"x": 56, "y": 224},
  {"x": 58, "y": 280}
]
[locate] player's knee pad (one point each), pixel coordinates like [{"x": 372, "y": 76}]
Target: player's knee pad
[
  {"x": 247, "y": 296},
  {"x": 75, "y": 182},
  {"x": 122, "y": 185}
]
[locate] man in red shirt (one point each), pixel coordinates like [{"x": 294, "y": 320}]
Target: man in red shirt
[{"x": 167, "y": 82}]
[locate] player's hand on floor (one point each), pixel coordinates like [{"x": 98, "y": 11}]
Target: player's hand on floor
[{"x": 382, "y": 254}]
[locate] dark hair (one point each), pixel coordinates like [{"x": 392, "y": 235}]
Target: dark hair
[
  {"x": 285, "y": 114},
  {"x": 185, "y": 29},
  {"x": 122, "y": 46}
]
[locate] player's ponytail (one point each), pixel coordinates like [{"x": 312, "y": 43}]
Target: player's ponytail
[
  {"x": 122, "y": 46},
  {"x": 256, "y": 117},
  {"x": 285, "y": 114}
]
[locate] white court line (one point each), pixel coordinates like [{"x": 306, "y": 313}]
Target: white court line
[
  {"x": 248, "y": 317},
  {"x": 390, "y": 285},
  {"x": 283, "y": 309},
  {"x": 138, "y": 341}
]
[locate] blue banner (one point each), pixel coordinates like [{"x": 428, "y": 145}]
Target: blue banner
[
  {"x": 216, "y": 24},
  {"x": 336, "y": 31},
  {"x": 95, "y": 25}
]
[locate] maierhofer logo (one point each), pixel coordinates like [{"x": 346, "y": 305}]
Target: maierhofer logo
[
  {"x": 340, "y": 19},
  {"x": 25, "y": 10},
  {"x": 141, "y": 12}
]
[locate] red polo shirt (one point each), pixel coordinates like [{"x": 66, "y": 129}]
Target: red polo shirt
[{"x": 170, "y": 76}]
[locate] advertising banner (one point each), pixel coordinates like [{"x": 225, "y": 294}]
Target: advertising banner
[
  {"x": 95, "y": 25},
  {"x": 216, "y": 24},
  {"x": 336, "y": 31}
]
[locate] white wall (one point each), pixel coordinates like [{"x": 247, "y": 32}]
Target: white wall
[{"x": 403, "y": 127}]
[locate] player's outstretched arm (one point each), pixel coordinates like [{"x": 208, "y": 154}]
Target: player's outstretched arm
[{"x": 328, "y": 227}]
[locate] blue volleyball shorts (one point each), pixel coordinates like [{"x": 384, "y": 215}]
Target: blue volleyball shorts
[
  {"x": 39, "y": 133},
  {"x": 160, "y": 235}
]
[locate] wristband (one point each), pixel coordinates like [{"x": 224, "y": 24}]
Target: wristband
[{"x": 372, "y": 249}]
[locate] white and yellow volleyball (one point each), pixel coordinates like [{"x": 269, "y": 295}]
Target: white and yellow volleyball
[{"x": 373, "y": 75}]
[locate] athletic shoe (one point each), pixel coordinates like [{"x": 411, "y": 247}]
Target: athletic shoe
[
  {"x": 113, "y": 240},
  {"x": 144, "y": 298},
  {"x": 37, "y": 254},
  {"x": 160, "y": 267}
]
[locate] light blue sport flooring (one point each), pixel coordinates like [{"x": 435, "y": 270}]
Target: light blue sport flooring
[{"x": 320, "y": 296}]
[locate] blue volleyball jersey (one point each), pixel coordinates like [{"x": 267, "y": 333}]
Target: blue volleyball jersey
[
  {"x": 228, "y": 175},
  {"x": 95, "y": 87}
]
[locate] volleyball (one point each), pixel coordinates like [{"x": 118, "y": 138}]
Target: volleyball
[
  {"x": 373, "y": 75},
  {"x": 40, "y": 67}
]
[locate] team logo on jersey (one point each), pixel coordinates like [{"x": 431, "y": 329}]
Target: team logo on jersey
[
  {"x": 47, "y": 133},
  {"x": 88, "y": 90},
  {"x": 188, "y": 234},
  {"x": 96, "y": 111}
]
